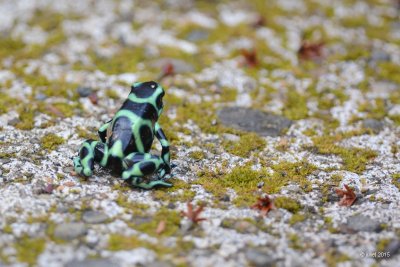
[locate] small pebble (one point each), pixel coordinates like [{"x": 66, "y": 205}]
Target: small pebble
[
  {"x": 84, "y": 91},
  {"x": 93, "y": 217}
]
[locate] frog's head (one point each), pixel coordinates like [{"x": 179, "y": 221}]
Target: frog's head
[{"x": 150, "y": 92}]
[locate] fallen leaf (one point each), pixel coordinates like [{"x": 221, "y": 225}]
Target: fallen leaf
[{"x": 348, "y": 196}]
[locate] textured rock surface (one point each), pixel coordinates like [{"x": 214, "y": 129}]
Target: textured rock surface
[
  {"x": 290, "y": 98},
  {"x": 246, "y": 119}
]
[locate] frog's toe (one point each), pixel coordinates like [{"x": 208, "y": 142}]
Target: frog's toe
[
  {"x": 136, "y": 181},
  {"x": 80, "y": 169}
]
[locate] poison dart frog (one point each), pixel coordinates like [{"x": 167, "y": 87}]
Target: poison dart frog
[{"x": 127, "y": 138}]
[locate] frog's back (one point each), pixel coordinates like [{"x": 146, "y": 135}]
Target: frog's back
[{"x": 133, "y": 125}]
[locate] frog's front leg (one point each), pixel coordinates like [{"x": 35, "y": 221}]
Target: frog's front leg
[
  {"x": 136, "y": 165},
  {"x": 103, "y": 131},
  {"x": 165, "y": 156},
  {"x": 89, "y": 152}
]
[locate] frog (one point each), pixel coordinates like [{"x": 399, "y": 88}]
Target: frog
[{"x": 126, "y": 140}]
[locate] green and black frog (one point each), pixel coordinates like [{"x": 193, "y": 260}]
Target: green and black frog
[{"x": 127, "y": 138}]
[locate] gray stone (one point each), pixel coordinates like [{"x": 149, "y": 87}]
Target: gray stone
[
  {"x": 68, "y": 169},
  {"x": 361, "y": 223},
  {"x": 378, "y": 55},
  {"x": 197, "y": 35},
  {"x": 375, "y": 125},
  {"x": 13, "y": 121},
  {"x": 91, "y": 263},
  {"x": 252, "y": 120},
  {"x": 40, "y": 96},
  {"x": 93, "y": 216},
  {"x": 393, "y": 247},
  {"x": 70, "y": 231},
  {"x": 259, "y": 258},
  {"x": 159, "y": 264},
  {"x": 84, "y": 91}
]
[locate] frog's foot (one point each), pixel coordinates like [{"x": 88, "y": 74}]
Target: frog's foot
[
  {"x": 84, "y": 163},
  {"x": 138, "y": 182},
  {"x": 136, "y": 165}
]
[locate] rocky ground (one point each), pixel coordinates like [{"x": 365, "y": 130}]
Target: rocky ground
[{"x": 321, "y": 79}]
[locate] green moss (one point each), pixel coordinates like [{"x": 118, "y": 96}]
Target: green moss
[
  {"x": 242, "y": 179},
  {"x": 228, "y": 94},
  {"x": 295, "y": 105},
  {"x": 396, "y": 180},
  {"x": 382, "y": 244},
  {"x": 83, "y": 133},
  {"x": 295, "y": 241},
  {"x": 172, "y": 219},
  {"x": 117, "y": 242},
  {"x": 120, "y": 242},
  {"x": 7, "y": 155},
  {"x": 354, "y": 159},
  {"x": 9, "y": 46},
  {"x": 135, "y": 208},
  {"x": 67, "y": 110},
  {"x": 124, "y": 61},
  {"x": 7, "y": 229},
  {"x": 28, "y": 249},
  {"x": 112, "y": 94},
  {"x": 249, "y": 142},
  {"x": 6, "y": 102},
  {"x": 332, "y": 258},
  {"x": 298, "y": 217},
  {"x": 374, "y": 110},
  {"x": 51, "y": 141},
  {"x": 197, "y": 155},
  {"x": 26, "y": 117},
  {"x": 309, "y": 132},
  {"x": 287, "y": 203},
  {"x": 286, "y": 172},
  {"x": 395, "y": 119},
  {"x": 388, "y": 71},
  {"x": 326, "y": 188},
  {"x": 180, "y": 191}
]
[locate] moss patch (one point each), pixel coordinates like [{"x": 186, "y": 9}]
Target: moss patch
[
  {"x": 287, "y": 203},
  {"x": 249, "y": 142},
  {"x": 396, "y": 180},
  {"x": 51, "y": 141},
  {"x": 26, "y": 117},
  {"x": 354, "y": 159},
  {"x": 242, "y": 179},
  {"x": 172, "y": 221},
  {"x": 295, "y": 105},
  {"x": 28, "y": 249}
]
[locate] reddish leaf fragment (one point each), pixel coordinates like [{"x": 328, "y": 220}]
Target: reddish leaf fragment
[
  {"x": 348, "y": 196},
  {"x": 69, "y": 184},
  {"x": 47, "y": 189},
  {"x": 310, "y": 50},
  {"x": 55, "y": 111},
  {"x": 93, "y": 98},
  {"x": 259, "y": 22},
  {"x": 168, "y": 70},
  {"x": 193, "y": 215},
  {"x": 264, "y": 205},
  {"x": 250, "y": 57},
  {"x": 161, "y": 227}
]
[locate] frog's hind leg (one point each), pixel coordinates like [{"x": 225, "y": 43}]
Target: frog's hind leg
[
  {"x": 137, "y": 165},
  {"x": 89, "y": 152}
]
